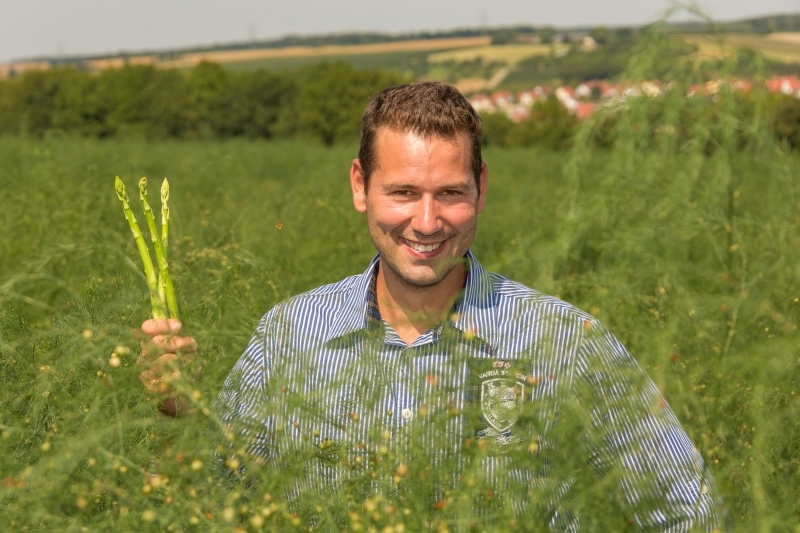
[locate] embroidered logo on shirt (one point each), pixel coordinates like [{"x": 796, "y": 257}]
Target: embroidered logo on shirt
[
  {"x": 496, "y": 394},
  {"x": 501, "y": 402}
]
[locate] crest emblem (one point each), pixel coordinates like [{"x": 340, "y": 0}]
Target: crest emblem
[{"x": 501, "y": 402}]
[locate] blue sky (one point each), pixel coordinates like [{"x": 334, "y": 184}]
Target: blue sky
[{"x": 67, "y": 27}]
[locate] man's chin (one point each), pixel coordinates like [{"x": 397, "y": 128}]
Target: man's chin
[{"x": 424, "y": 277}]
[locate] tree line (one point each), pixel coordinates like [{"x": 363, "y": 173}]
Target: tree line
[{"x": 322, "y": 102}]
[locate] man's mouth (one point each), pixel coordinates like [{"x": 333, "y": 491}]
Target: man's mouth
[{"x": 423, "y": 248}]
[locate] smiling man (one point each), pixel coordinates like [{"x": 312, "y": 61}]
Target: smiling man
[
  {"x": 422, "y": 203},
  {"x": 425, "y": 332}
]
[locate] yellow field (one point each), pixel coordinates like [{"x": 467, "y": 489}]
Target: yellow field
[
  {"x": 233, "y": 56},
  {"x": 510, "y": 54},
  {"x": 785, "y": 37},
  {"x": 780, "y": 46},
  {"x": 22, "y": 66}
]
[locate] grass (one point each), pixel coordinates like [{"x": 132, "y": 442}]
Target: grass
[
  {"x": 681, "y": 237},
  {"x": 80, "y": 434}
]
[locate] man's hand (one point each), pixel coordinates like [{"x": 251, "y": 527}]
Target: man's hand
[{"x": 163, "y": 347}]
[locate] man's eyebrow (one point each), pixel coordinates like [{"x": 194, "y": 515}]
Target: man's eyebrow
[{"x": 402, "y": 185}]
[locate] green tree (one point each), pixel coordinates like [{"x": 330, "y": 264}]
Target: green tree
[
  {"x": 786, "y": 121},
  {"x": 503, "y": 37},
  {"x": 208, "y": 81},
  {"x": 550, "y": 125},
  {"x": 497, "y": 128},
  {"x": 171, "y": 110},
  {"x": 122, "y": 96},
  {"x": 332, "y": 97},
  {"x": 546, "y": 35},
  {"x": 601, "y": 35},
  {"x": 251, "y": 104}
]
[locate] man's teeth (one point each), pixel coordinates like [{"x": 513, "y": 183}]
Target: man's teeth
[{"x": 423, "y": 247}]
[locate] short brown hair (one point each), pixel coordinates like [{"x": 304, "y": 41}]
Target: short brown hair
[{"x": 424, "y": 108}]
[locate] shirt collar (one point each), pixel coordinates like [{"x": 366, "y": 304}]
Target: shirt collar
[{"x": 476, "y": 311}]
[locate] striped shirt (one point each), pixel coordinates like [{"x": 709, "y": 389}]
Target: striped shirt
[{"x": 513, "y": 372}]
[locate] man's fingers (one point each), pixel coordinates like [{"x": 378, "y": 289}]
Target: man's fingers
[
  {"x": 161, "y": 344},
  {"x": 175, "y": 344},
  {"x": 164, "y": 366},
  {"x": 161, "y": 326}
]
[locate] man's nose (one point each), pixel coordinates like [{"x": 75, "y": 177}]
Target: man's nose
[{"x": 426, "y": 219}]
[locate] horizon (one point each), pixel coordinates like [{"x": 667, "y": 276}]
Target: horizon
[{"x": 91, "y": 28}]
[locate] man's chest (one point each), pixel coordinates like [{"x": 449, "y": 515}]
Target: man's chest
[{"x": 447, "y": 395}]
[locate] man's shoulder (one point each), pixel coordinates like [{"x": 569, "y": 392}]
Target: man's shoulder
[
  {"x": 515, "y": 295},
  {"x": 326, "y": 297}
]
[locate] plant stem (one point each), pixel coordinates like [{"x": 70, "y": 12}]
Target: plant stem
[
  {"x": 169, "y": 289},
  {"x": 164, "y": 217},
  {"x": 166, "y": 292},
  {"x": 147, "y": 262}
]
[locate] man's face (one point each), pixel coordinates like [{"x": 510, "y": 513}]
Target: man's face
[{"x": 422, "y": 204}]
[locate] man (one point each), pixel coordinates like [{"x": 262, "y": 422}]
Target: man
[{"x": 426, "y": 334}]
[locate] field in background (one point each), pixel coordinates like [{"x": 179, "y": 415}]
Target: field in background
[
  {"x": 509, "y": 54},
  {"x": 323, "y": 52},
  {"x": 410, "y": 63},
  {"x": 473, "y": 64},
  {"x": 784, "y": 47}
]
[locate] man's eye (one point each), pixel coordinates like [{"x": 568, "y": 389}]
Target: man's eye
[{"x": 452, "y": 192}]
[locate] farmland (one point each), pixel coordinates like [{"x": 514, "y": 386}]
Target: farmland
[
  {"x": 323, "y": 52},
  {"x": 681, "y": 236},
  {"x": 506, "y": 54},
  {"x": 783, "y": 47},
  {"x": 519, "y": 60}
]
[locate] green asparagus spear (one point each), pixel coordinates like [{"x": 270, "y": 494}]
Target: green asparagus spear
[
  {"x": 165, "y": 217},
  {"x": 167, "y": 291},
  {"x": 152, "y": 282}
]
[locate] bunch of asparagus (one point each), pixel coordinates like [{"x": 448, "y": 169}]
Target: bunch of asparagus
[{"x": 162, "y": 293}]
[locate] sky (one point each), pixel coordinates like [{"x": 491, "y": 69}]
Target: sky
[{"x": 30, "y": 28}]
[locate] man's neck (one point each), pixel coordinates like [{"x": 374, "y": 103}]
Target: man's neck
[{"x": 411, "y": 310}]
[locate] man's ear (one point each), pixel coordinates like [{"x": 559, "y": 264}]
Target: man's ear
[
  {"x": 359, "y": 186},
  {"x": 483, "y": 183}
]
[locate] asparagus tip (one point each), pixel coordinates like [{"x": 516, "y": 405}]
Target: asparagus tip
[
  {"x": 120, "y": 188},
  {"x": 143, "y": 186},
  {"x": 164, "y": 191}
]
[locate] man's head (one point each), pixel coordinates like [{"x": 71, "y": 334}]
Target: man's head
[
  {"x": 421, "y": 182},
  {"x": 426, "y": 109}
]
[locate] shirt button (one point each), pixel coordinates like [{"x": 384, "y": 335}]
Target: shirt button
[{"x": 407, "y": 414}]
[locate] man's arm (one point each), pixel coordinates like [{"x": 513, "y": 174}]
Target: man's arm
[
  {"x": 662, "y": 477},
  {"x": 243, "y": 404},
  {"x": 163, "y": 353}
]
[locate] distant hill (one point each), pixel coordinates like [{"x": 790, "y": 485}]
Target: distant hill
[
  {"x": 313, "y": 41},
  {"x": 474, "y": 59},
  {"x": 760, "y": 25}
]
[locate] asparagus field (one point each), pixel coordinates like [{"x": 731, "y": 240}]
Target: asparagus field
[{"x": 681, "y": 237}]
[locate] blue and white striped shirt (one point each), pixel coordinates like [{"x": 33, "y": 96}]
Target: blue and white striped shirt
[{"x": 510, "y": 369}]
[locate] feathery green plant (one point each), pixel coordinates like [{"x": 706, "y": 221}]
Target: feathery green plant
[{"x": 680, "y": 235}]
